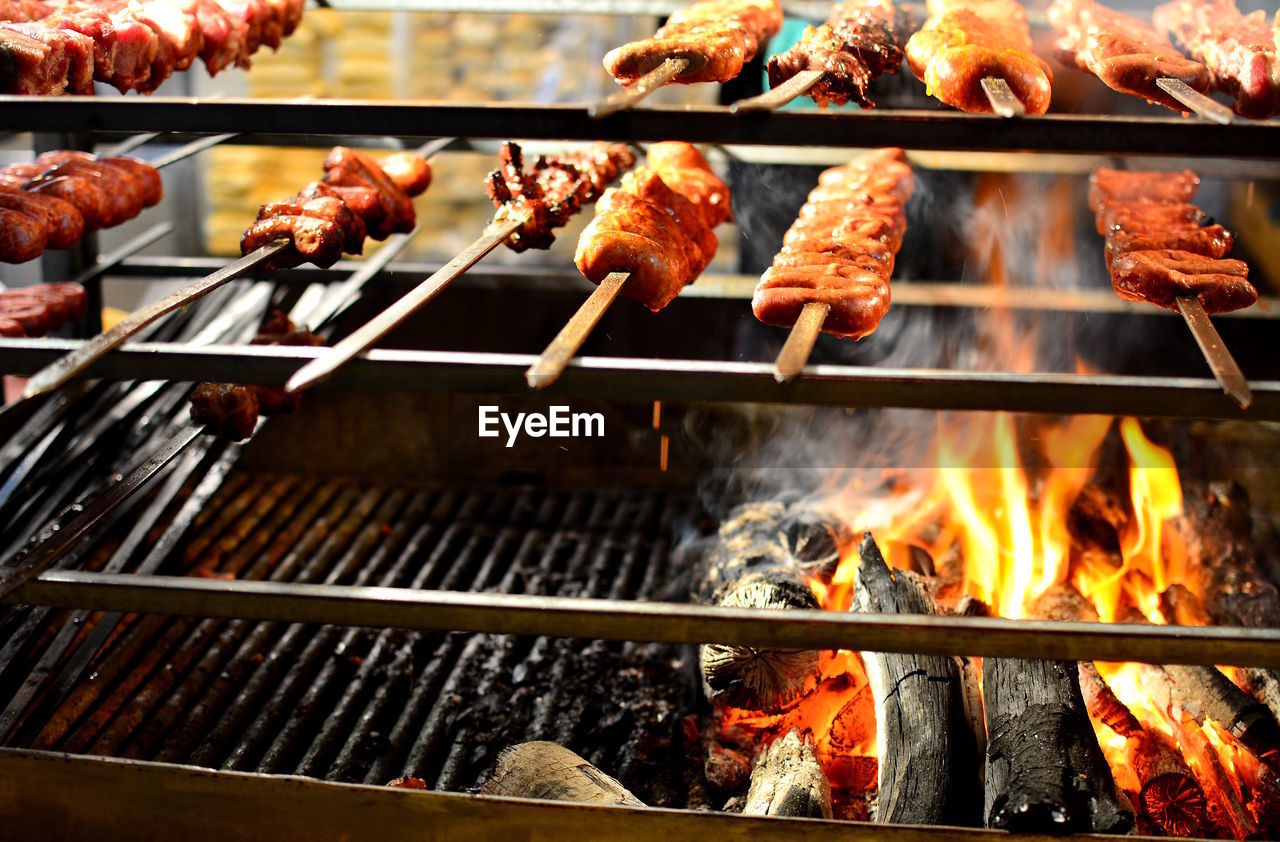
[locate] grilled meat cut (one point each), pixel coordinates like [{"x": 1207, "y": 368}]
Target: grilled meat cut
[
  {"x": 356, "y": 199},
  {"x": 840, "y": 250},
  {"x": 1157, "y": 251},
  {"x": 1239, "y": 50},
  {"x": 1126, "y": 54},
  {"x": 965, "y": 41},
  {"x": 861, "y": 41},
  {"x": 553, "y": 191},
  {"x": 716, "y": 37},
  {"x": 36, "y": 310},
  {"x": 231, "y": 410},
  {"x": 65, "y": 45},
  {"x": 69, "y": 192},
  {"x": 656, "y": 225}
]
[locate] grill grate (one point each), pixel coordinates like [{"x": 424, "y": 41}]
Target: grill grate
[{"x": 361, "y": 705}]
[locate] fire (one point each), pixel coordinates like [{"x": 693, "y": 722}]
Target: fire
[{"x": 993, "y": 516}]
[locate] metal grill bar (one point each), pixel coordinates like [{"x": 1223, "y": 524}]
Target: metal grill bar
[
  {"x": 706, "y": 124},
  {"x": 659, "y": 622},
  {"x": 679, "y": 380}
]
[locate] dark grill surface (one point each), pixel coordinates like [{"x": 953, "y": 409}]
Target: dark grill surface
[{"x": 355, "y": 704}]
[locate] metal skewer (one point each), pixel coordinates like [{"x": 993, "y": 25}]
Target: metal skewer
[
  {"x": 1001, "y": 97},
  {"x": 797, "y": 85},
  {"x": 55, "y": 541},
  {"x": 109, "y": 261},
  {"x": 795, "y": 352},
  {"x": 366, "y": 336},
  {"x": 1221, "y": 363},
  {"x": 127, "y": 146},
  {"x": 639, "y": 89},
  {"x": 189, "y": 149},
  {"x": 1199, "y": 103},
  {"x": 562, "y": 349},
  {"x": 68, "y": 367}
]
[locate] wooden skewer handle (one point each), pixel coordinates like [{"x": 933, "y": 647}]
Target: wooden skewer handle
[{"x": 794, "y": 355}]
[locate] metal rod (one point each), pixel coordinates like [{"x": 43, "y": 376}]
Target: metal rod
[
  {"x": 1196, "y": 101},
  {"x": 551, "y": 364},
  {"x": 646, "y": 380},
  {"x": 639, "y": 89},
  {"x": 127, "y": 146},
  {"x": 368, "y": 334},
  {"x": 918, "y": 129},
  {"x": 1002, "y": 100},
  {"x": 797, "y": 85},
  {"x": 795, "y": 352},
  {"x": 192, "y": 148},
  {"x": 48, "y": 551},
  {"x": 578, "y": 617},
  {"x": 110, "y": 261},
  {"x": 75, "y": 363},
  {"x": 1224, "y": 367},
  {"x": 338, "y": 297}
]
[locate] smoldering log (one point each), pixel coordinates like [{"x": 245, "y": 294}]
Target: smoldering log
[
  {"x": 551, "y": 772},
  {"x": 1263, "y": 685},
  {"x": 787, "y": 780},
  {"x": 1215, "y": 532},
  {"x": 928, "y": 772},
  {"x": 764, "y": 557},
  {"x": 1169, "y": 794},
  {"x": 1224, "y": 808},
  {"x": 1204, "y": 692},
  {"x": 1045, "y": 770}
]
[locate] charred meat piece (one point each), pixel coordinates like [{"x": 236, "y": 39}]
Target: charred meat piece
[
  {"x": 230, "y": 411},
  {"x": 1124, "y": 53},
  {"x": 314, "y": 240},
  {"x": 322, "y": 207},
  {"x": 716, "y": 37},
  {"x": 1160, "y": 277},
  {"x": 22, "y": 237},
  {"x": 1157, "y": 250},
  {"x": 1239, "y": 50},
  {"x": 63, "y": 224},
  {"x": 655, "y": 226},
  {"x": 965, "y": 41},
  {"x": 840, "y": 250},
  {"x": 410, "y": 172},
  {"x": 346, "y": 167},
  {"x": 549, "y": 194},
  {"x": 861, "y": 41}
]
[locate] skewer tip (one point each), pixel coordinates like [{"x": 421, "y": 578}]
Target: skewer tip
[
  {"x": 1197, "y": 102},
  {"x": 1002, "y": 99}
]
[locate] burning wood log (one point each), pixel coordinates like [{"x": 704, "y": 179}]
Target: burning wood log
[
  {"x": 1045, "y": 770},
  {"x": 1225, "y": 809},
  {"x": 1204, "y": 692},
  {"x": 1214, "y": 535},
  {"x": 928, "y": 771},
  {"x": 764, "y": 557},
  {"x": 788, "y": 781},
  {"x": 551, "y": 772},
  {"x": 1169, "y": 794}
]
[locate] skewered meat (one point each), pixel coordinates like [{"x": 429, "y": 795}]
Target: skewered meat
[
  {"x": 1124, "y": 53},
  {"x": 861, "y": 41},
  {"x": 133, "y": 44},
  {"x": 63, "y": 224},
  {"x": 39, "y": 309},
  {"x": 410, "y": 172},
  {"x": 553, "y": 191},
  {"x": 1153, "y": 186},
  {"x": 314, "y": 240},
  {"x": 322, "y": 207},
  {"x": 716, "y": 37},
  {"x": 22, "y": 237},
  {"x": 232, "y": 410},
  {"x": 346, "y": 167},
  {"x": 1156, "y": 249},
  {"x": 1159, "y": 277},
  {"x": 1239, "y": 50},
  {"x": 840, "y": 250},
  {"x": 965, "y": 41},
  {"x": 655, "y": 229},
  {"x": 356, "y": 199}
]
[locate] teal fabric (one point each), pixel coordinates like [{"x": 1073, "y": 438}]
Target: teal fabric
[{"x": 792, "y": 29}]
